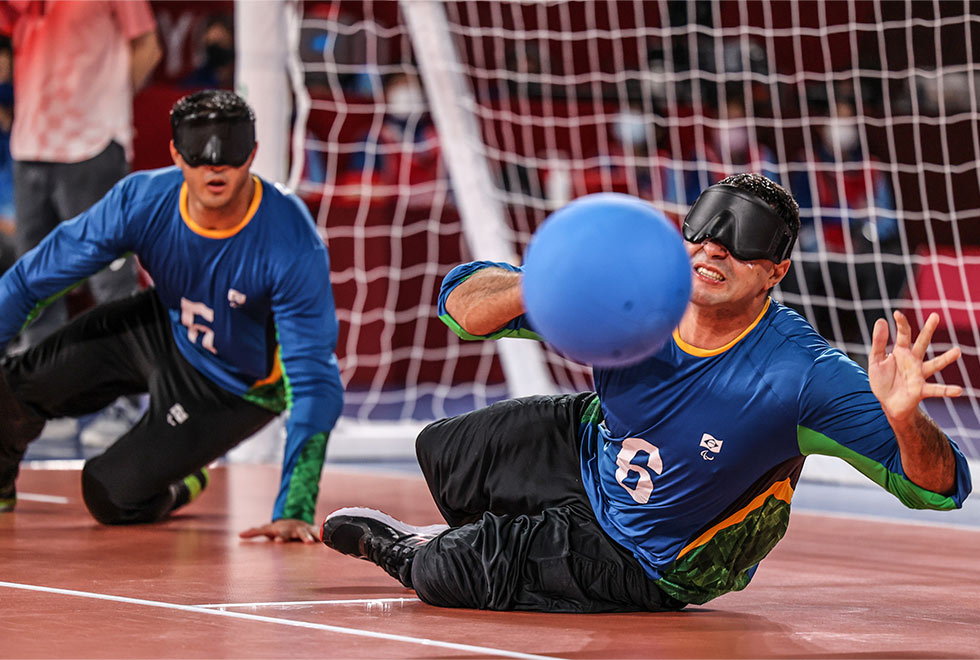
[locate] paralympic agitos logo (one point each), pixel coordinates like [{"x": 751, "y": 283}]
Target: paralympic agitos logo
[{"x": 712, "y": 446}]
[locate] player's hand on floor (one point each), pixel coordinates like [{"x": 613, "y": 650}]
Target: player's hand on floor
[
  {"x": 898, "y": 379},
  {"x": 284, "y": 529}
]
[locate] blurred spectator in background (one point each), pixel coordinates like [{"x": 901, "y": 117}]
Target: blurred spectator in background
[
  {"x": 746, "y": 65},
  {"x": 333, "y": 46},
  {"x": 401, "y": 157},
  {"x": 634, "y": 164},
  {"x": 525, "y": 61},
  {"x": 730, "y": 148},
  {"x": 847, "y": 207},
  {"x": 8, "y": 252},
  {"x": 216, "y": 55},
  {"x": 76, "y": 66}
]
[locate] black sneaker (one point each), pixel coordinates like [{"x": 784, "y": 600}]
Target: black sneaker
[
  {"x": 187, "y": 490},
  {"x": 379, "y": 538}
]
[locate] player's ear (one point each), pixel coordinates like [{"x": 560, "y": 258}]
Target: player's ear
[
  {"x": 174, "y": 155},
  {"x": 778, "y": 273}
]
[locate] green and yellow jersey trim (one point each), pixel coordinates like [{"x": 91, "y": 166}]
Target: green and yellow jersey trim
[{"x": 781, "y": 490}]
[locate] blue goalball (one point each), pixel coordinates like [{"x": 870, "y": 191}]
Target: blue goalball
[{"x": 606, "y": 279}]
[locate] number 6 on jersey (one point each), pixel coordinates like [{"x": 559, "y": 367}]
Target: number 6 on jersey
[{"x": 644, "y": 485}]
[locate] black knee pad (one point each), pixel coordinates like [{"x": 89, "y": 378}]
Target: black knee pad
[
  {"x": 110, "y": 502},
  {"x": 97, "y": 498}
]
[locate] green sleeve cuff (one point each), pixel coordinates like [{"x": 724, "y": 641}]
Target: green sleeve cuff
[
  {"x": 909, "y": 494},
  {"x": 499, "y": 334},
  {"x": 304, "y": 485}
]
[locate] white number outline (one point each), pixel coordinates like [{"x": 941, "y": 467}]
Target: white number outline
[{"x": 654, "y": 465}]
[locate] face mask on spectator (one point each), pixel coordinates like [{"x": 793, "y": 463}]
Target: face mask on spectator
[
  {"x": 217, "y": 56},
  {"x": 630, "y": 128},
  {"x": 840, "y": 134},
  {"x": 404, "y": 100},
  {"x": 733, "y": 139}
]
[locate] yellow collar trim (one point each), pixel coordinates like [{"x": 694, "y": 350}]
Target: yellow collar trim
[
  {"x": 702, "y": 352},
  {"x": 220, "y": 233}
]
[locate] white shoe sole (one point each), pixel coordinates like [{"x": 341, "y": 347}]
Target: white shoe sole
[{"x": 428, "y": 531}]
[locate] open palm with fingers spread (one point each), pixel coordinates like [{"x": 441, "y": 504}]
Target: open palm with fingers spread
[{"x": 899, "y": 379}]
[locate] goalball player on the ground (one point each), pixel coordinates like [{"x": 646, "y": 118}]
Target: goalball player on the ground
[
  {"x": 239, "y": 323},
  {"x": 671, "y": 482}
]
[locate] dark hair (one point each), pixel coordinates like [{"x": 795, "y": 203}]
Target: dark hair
[
  {"x": 224, "y": 20},
  {"x": 213, "y": 104},
  {"x": 778, "y": 198}
]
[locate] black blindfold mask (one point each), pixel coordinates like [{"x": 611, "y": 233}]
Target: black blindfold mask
[
  {"x": 747, "y": 226},
  {"x": 209, "y": 141}
]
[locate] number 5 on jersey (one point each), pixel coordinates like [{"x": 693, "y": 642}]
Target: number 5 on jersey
[
  {"x": 189, "y": 310},
  {"x": 653, "y": 464}
]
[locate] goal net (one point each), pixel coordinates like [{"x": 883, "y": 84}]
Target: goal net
[{"x": 865, "y": 110}]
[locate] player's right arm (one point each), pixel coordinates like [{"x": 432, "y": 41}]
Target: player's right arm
[
  {"x": 486, "y": 301},
  {"x": 76, "y": 249},
  {"x": 482, "y": 300}
]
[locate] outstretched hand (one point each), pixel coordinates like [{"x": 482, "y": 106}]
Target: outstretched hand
[
  {"x": 284, "y": 529},
  {"x": 898, "y": 379}
]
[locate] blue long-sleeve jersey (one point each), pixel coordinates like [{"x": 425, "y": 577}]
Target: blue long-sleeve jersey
[
  {"x": 250, "y": 307},
  {"x": 690, "y": 458}
]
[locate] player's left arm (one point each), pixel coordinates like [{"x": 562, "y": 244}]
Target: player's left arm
[
  {"x": 306, "y": 324},
  {"x": 878, "y": 428},
  {"x": 899, "y": 381}
]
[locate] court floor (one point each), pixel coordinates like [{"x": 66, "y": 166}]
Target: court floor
[{"x": 188, "y": 588}]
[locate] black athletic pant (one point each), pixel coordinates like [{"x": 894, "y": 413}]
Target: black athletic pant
[
  {"x": 120, "y": 348},
  {"x": 524, "y": 537}
]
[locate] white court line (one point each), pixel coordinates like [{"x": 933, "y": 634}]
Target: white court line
[
  {"x": 480, "y": 650},
  {"x": 55, "y": 464},
  {"x": 286, "y": 603},
  {"x": 36, "y": 497}
]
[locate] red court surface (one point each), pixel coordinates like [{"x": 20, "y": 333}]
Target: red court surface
[{"x": 188, "y": 588}]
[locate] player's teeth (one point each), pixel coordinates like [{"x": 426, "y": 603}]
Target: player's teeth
[{"x": 711, "y": 274}]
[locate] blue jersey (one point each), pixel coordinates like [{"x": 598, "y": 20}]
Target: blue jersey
[
  {"x": 250, "y": 307},
  {"x": 691, "y": 457}
]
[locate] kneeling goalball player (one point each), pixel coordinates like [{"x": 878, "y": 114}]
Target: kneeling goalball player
[
  {"x": 240, "y": 320},
  {"x": 671, "y": 482}
]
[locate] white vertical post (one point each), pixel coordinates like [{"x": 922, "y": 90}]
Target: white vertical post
[
  {"x": 261, "y": 78},
  {"x": 484, "y": 227}
]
